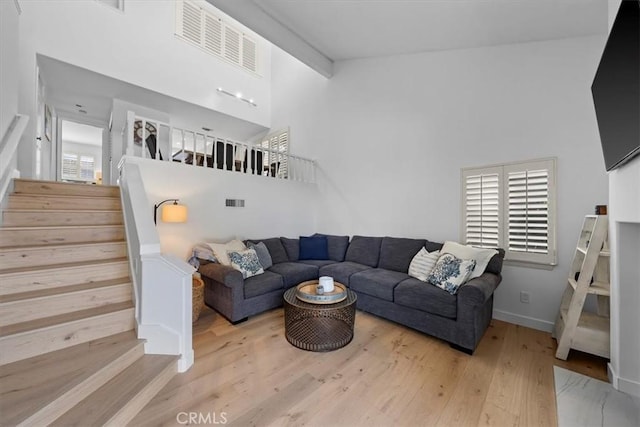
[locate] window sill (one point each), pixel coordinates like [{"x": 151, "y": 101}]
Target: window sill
[{"x": 528, "y": 264}]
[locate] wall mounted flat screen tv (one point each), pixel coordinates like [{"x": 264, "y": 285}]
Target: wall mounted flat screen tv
[{"x": 616, "y": 88}]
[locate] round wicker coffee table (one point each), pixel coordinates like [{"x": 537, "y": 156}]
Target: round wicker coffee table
[{"x": 319, "y": 327}]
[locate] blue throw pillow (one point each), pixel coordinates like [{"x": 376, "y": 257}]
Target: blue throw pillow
[{"x": 314, "y": 247}]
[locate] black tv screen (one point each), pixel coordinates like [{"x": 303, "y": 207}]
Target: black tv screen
[{"x": 616, "y": 88}]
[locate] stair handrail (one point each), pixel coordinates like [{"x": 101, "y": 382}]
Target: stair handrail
[
  {"x": 8, "y": 152},
  {"x": 162, "y": 283}
]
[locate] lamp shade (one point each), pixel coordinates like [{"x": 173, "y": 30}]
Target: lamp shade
[{"x": 174, "y": 213}]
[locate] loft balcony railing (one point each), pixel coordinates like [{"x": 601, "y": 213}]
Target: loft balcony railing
[{"x": 152, "y": 139}]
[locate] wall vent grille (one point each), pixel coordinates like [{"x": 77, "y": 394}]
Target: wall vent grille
[{"x": 234, "y": 203}]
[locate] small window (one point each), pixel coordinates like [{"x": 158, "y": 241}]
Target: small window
[
  {"x": 200, "y": 26},
  {"x": 512, "y": 206},
  {"x": 76, "y": 167}
]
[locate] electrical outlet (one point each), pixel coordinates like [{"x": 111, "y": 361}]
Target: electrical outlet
[{"x": 525, "y": 297}]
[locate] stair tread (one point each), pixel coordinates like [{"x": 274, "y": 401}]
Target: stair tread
[
  {"x": 58, "y": 245},
  {"x": 59, "y": 227},
  {"x": 61, "y": 210},
  {"x": 40, "y": 268},
  {"x": 100, "y": 407},
  {"x": 30, "y": 384},
  {"x": 62, "y": 290},
  {"x": 31, "y": 325},
  {"x": 60, "y": 196},
  {"x": 27, "y": 180}
]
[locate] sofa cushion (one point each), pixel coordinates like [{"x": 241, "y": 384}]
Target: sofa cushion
[
  {"x": 342, "y": 271},
  {"x": 263, "y": 254},
  {"x": 262, "y": 284},
  {"x": 433, "y": 246},
  {"x": 450, "y": 272},
  {"x": 295, "y": 272},
  {"x": 377, "y": 282},
  {"x": 422, "y": 296},
  {"x": 246, "y": 262},
  {"x": 336, "y": 246},
  {"x": 314, "y": 247},
  {"x": 317, "y": 262},
  {"x": 364, "y": 250},
  {"x": 292, "y": 247},
  {"x": 495, "y": 264},
  {"x": 396, "y": 253},
  {"x": 276, "y": 250}
]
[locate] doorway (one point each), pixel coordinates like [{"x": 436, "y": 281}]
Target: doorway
[{"x": 80, "y": 153}]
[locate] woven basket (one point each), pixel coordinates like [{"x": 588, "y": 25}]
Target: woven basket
[{"x": 198, "y": 298}]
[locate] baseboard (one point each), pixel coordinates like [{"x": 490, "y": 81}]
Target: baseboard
[
  {"x": 622, "y": 384},
  {"x": 518, "y": 319}
]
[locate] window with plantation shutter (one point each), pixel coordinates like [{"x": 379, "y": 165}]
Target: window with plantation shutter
[
  {"x": 69, "y": 166},
  {"x": 482, "y": 215},
  {"x": 197, "y": 22},
  {"x": 277, "y": 158},
  {"x": 511, "y": 206},
  {"x": 78, "y": 167}
]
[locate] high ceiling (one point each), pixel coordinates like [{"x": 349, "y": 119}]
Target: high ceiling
[{"x": 348, "y": 29}]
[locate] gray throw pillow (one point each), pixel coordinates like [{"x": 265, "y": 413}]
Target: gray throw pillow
[{"x": 263, "y": 254}]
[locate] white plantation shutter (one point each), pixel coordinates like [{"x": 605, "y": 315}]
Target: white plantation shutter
[
  {"x": 69, "y": 166},
  {"x": 482, "y": 208},
  {"x": 278, "y": 145},
  {"x": 249, "y": 54},
  {"x": 189, "y": 22},
  {"x": 212, "y": 34},
  {"x": 531, "y": 195},
  {"x": 86, "y": 168},
  {"x": 511, "y": 206},
  {"x": 202, "y": 27},
  {"x": 232, "y": 44}
]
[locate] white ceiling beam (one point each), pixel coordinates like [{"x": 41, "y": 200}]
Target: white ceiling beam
[{"x": 248, "y": 13}]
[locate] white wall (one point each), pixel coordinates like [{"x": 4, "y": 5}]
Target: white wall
[
  {"x": 138, "y": 47},
  {"x": 391, "y": 134},
  {"x": 9, "y": 70},
  {"x": 272, "y": 207},
  {"x": 624, "y": 237}
]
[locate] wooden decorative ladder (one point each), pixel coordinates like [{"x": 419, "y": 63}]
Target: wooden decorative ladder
[
  {"x": 68, "y": 349},
  {"x": 575, "y": 328}
]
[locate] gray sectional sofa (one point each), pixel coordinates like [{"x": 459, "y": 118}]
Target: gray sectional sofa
[{"x": 373, "y": 267}]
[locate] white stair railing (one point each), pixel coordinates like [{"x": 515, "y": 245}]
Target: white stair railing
[
  {"x": 162, "y": 283},
  {"x": 9, "y": 152},
  {"x": 203, "y": 149}
]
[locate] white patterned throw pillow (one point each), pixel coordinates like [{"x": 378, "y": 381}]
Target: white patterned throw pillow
[
  {"x": 480, "y": 256},
  {"x": 246, "y": 262},
  {"x": 220, "y": 250},
  {"x": 450, "y": 273},
  {"x": 422, "y": 264}
]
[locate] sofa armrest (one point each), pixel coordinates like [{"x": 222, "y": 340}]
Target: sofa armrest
[
  {"x": 224, "y": 274},
  {"x": 478, "y": 290}
]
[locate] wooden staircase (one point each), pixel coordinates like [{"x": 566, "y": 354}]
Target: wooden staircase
[{"x": 68, "y": 350}]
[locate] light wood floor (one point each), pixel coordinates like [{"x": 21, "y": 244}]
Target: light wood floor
[{"x": 388, "y": 375}]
